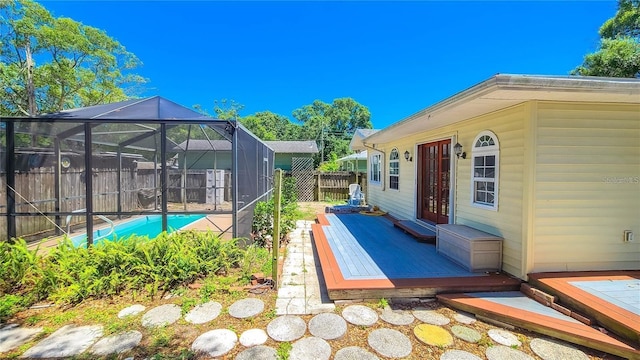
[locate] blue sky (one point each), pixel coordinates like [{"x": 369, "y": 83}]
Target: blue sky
[{"x": 396, "y": 58}]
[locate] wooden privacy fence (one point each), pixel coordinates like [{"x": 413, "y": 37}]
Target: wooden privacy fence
[
  {"x": 35, "y": 193},
  {"x": 331, "y": 186}
]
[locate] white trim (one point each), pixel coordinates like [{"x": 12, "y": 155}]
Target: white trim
[
  {"x": 398, "y": 174},
  {"x": 483, "y": 151},
  {"x": 380, "y": 171}
]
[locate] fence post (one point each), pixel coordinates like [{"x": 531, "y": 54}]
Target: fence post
[{"x": 275, "y": 242}]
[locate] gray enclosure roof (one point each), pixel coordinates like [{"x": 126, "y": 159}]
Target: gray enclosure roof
[{"x": 279, "y": 147}]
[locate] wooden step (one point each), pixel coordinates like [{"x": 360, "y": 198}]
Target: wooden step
[{"x": 416, "y": 230}]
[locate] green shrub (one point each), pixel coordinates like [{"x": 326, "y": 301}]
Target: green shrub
[
  {"x": 19, "y": 266},
  {"x": 263, "y": 214},
  {"x": 9, "y": 305}
]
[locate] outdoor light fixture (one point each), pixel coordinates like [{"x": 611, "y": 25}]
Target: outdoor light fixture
[
  {"x": 65, "y": 162},
  {"x": 407, "y": 156},
  {"x": 457, "y": 149}
]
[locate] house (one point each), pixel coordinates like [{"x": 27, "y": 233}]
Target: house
[
  {"x": 549, "y": 164},
  {"x": 356, "y": 162},
  {"x": 216, "y": 154}
]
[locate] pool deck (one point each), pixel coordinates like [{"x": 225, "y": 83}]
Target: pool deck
[{"x": 366, "y": 257}]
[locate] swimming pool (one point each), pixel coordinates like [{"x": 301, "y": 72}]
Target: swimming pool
[{"x": 149, "y": 225}]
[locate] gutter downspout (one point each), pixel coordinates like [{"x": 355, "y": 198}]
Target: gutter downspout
[{"x": 384, "y": 156}]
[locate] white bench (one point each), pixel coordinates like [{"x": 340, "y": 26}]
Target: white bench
[{"x": 473, "y": 249}]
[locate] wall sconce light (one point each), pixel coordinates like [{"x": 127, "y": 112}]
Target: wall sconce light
[
  {"x": 407, "y": 156},
  {"x": 457, "y": 149}
]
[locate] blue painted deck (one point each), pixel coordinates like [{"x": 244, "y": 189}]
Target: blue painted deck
[
  {"x": 622, "y": 293},
  {"x": 370, "y": 247}
]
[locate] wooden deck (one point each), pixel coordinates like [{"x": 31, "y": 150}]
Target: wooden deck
[
  {"x": 366, "y": 257},
  {"x": 612, "y": 298},
  {"x": 516, "y": 309}
]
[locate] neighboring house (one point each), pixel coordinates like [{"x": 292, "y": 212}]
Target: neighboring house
[
  {"x": 551, "y": 164},
  {"x": 216, "y": 154},
  {"x": 356, "y": 162},
  {"x": 287, "y": 150}
]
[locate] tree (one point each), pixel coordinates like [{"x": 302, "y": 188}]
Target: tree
[
  {"x": 270, "y": 126},
  {"x": 49, "y": 64},
  {"x": 333, "y": 124},
  {"x": 619, "y": 52}
]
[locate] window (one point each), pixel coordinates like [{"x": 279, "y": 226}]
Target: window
[
  {"x": 394, "y": 169},
  {"x": 376, "y": 161},
  {"x": 486, "y": 155}
]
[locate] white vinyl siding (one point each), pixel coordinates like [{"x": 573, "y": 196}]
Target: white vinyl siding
[{"x": 587, "y": 189}]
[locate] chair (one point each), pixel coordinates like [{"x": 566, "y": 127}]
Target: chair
[{"x": 356, "y": 197}]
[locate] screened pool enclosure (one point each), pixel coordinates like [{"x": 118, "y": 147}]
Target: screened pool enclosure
[{"x": 83, "y": 170}]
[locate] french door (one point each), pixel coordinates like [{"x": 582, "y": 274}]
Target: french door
[{"x": 434, "y": 181}]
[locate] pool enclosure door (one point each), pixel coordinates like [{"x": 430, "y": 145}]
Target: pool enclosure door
[{"x": 434, "y": 181}]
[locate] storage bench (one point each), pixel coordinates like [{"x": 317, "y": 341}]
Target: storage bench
[{"x": 473, "y": 249}]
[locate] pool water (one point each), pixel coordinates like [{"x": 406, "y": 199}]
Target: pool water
[{"x": 149, "y": 225}]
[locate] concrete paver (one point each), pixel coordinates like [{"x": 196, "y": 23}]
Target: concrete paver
[
  {"x": 12, "y": 336},
  {"x": 67, "y": 341}
]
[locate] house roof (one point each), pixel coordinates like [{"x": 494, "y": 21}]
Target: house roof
[
  {"x": 360, "y": 156},
  {"x": 360, "y": 134},
  {"x": 293, "y": 147},
  {"x": 279, "y": 147},
  {"x": 501, "y": 91}
]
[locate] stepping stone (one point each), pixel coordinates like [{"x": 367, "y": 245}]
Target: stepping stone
[
  {"x": 397, "y": 317},
  {"x": 390, "y": 343},
  {"x": 504, "y": 337},
  {"x": 501, "y": 352},
  {"x": 204, "y": 313},
  {"x": 12, "y": 336},
  {"x": 360, "y": 315},
  {"x": 555, "y": 350},
  {"x": 116, "y": 344},
  {"x": 246, "y": 308},
  {"x": 258, "y": 353},
  {"x": 286, "y": 328},
  {"x": 67, "y": 341},
  {"x": 466, "y": 334},
  {"x": 354, "y": 352},
  {"x": 215, "y": 342},
  {"x": 328, "y": 326},
  {"x": 161, "y": 316},
  {"x": 131, "y": 311},
  {"x": 310, "y": 348},
  {"x": 253, "y": 337},
  {"x": 465, "y": 318},
  {"x": 458, "y": 355},
  {"x": 433, "y": 335},
  {"x": 431, "y": 317}
]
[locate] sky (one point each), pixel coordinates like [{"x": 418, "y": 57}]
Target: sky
[{"x": 396, "y": 58}]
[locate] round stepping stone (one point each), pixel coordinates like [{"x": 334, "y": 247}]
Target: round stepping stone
[
  {"x": 253, "y": 337},
  {"x": 328, "y": 326},
  {"x": 464, "y": 318},
  {"x": 258, "y": 353},
  {"x": 433, "y": 335},
  {"x": 204, "y": 313},
  {"x": 215, "y": 342},
  {"x": 466, "y": 334},
  {"x": 246, "y": 308},
  {"x": 310, "y": 348},
  {"x": 360, "y": 315},
  {"x": 458, "y": 355},
  {"x": 431, "y": 317},
  {"x": 397, "y": 317},
  {"x": 555, "y": 350},
  {"x": 12, "y": 336},
  {"x": 68, "y": 341},
  {"x": 501, "y": 352},
  {"x": 116, "y": 344},
  {"x": 131, "y": 311},
  {"x": 504, "y": 337},
  {"x": 390, "y": 343},
  {"x": 286, "y": 328},
  {"x": 161, "y": 316},
  {"x": 354, "y": 352}
]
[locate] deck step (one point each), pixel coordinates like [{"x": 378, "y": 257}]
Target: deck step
[
  {"x": 515, "y": 308},
  {"x": 595, "y": 293},
  {"x": 416, "y": 230}
]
